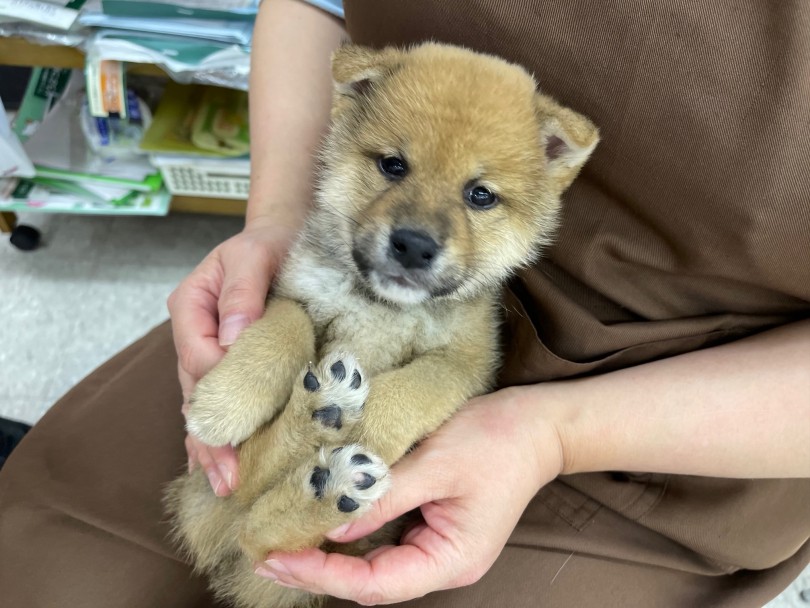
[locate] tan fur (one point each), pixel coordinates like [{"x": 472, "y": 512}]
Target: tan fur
[{"x": 418, "y": 342}]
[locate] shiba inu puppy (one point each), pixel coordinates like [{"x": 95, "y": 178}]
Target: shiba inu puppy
[{"x": 441, "y": 174}]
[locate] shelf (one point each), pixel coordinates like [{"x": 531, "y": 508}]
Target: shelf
[
  {"x": 214, "y": 206},
  {"x": 20, "y": 52}
]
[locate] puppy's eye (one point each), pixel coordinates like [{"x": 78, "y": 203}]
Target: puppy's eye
[
  {"x": 479, "y": 197},
  {"x": 393, "y": 167}
]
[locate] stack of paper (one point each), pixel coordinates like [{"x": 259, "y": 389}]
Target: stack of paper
[
  {"x": 187, "y": 60},
  {"x": 43, "y": 21},
  {"x": 55, "y": 14},
  {"x": 226, "y": 22},
  {"x": 194, "y": 41}
]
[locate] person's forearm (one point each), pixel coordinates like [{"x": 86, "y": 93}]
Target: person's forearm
[
  {"x": 290, "y": 97},
  {"x": 738, "y": 410}
]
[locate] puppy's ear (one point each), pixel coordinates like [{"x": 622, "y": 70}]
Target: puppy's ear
[
  {"x": 567, "y": 138},
  {"x": 355, "y": 69}
]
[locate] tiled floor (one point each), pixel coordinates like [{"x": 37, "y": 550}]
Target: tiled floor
[{"x": 96, "y": 285}]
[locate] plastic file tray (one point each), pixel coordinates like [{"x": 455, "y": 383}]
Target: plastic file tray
[{"x": 205, "y": 177}]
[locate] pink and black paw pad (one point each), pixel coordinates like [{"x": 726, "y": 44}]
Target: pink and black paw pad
[
  {"x": 350, "y": 477},
  {"x": 340, "y": 388}
]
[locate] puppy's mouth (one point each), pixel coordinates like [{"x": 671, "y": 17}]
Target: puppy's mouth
[
  {"x": 389, "y": 281},
  {"x": 401, "y": 280}
]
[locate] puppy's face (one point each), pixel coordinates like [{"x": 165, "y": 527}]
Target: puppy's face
[{"x": 443, "y": 169}]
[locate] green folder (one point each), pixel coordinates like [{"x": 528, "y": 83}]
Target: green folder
[{"x": 168, "y": 10}]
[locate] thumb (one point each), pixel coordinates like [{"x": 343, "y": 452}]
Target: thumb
[
  {"x": 244, "y": 293},
  {"x": 409, "y": 489}
]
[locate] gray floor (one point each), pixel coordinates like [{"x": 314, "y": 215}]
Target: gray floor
[{"x": 96, "y": 285}]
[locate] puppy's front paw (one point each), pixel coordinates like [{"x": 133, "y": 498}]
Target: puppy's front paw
[
  {"x": 347, "y": 479},
  {"x": 217, "y": 417},
  {"x": 334, "y": 393}
]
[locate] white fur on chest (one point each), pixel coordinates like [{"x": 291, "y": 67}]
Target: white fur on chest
[{"x": 379, "y": 335}]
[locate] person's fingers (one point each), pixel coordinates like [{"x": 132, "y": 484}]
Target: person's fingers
[
  {"x": 409, "y": 490},
  {"x": 244, "y": 292},
  {"x": 388, "y": 575},
  {"x": 191, "y": 451},
  {"x": 220, "y": 465},
  {"x": 187, "y": 384},
  {"x": 227, "y": 464},
  {"x": 195, "y": 324}
]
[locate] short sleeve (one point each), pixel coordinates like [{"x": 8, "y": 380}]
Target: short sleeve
[{"x": 334, "y": 7}]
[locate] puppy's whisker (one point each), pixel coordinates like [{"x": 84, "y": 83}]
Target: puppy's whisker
[{"x": 333, "y": 209}]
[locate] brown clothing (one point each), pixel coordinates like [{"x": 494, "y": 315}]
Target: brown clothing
[
  {"x": 81, "y": 522},
  {"x": 688, "y": 228}
]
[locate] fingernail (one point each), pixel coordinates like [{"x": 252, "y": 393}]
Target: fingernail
[
  {"x": 264, "y": 572},
  {"x": 339, "y": 532},
  {"x": 226, "y": 475},
  {"x": 215, "y": 480},
  {"x": 277, "y": 566},
  {"x": 192, "y": 461},
  {"x": 230, "y": 328}
]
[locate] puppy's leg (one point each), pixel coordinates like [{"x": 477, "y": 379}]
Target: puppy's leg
[
  {"x": 297, "y": 487},
  {"x": 340, "y": 483},
  {"x": 336, "y": 484},
  {"x": 326, "y": 403},
  {"x": 254, "y": 379},
  {"x": 406, "y": 404}
]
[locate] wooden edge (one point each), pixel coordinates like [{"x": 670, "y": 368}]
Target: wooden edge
[
  {"x": 215, "y": 206},
  {"x": 21, "y": 52},
  {"x": 7, "y": 221}
]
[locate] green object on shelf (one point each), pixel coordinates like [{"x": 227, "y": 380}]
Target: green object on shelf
[
  {"x": 45, "y": 87},
  {"x": 151, "y": 183},
  {"x": 201, "y": 120},
  {"x": 168, "y": 10},
  {"x": 62, "y": 196}
]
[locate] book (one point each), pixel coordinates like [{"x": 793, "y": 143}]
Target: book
[
  {"x": 224, "y": 31},
  {"x": 54, "y": 196},
  {"x": 239, "y": 10}
]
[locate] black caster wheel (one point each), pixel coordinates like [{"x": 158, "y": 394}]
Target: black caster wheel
[
  {"x": 25, "y": 237},
  {"x": 11, "y": 433}
]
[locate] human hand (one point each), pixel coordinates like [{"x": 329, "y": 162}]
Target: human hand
[
  {"x": 467, "y": 517},
  {"x": 224, "y": 294}
]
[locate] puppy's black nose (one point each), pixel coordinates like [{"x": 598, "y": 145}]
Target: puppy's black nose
[{"x": 412, "y": 248}]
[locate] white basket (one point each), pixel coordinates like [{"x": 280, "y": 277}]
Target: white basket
[{"x": 205, "y": 177}]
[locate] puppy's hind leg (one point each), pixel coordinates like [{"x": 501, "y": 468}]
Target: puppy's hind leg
[
  {"x": 317, "y": 488},
  {"x": 203, "y": 525},
  {"x": 335, "y": 486},
  {"x": 326, "y": 404},
  {"x": 237, "y": 585}
]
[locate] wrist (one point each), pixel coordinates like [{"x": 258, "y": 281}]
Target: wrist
[
  {"x": 553, "y": 420},
  {"x": 537, "y": 430},
  {"x": 289, "y": 217}
]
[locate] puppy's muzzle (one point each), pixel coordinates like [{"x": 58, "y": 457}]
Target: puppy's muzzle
[{"x": 412, "y": 249}]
